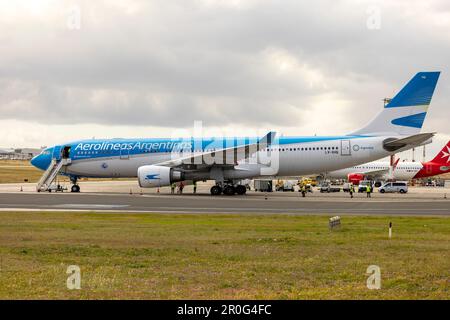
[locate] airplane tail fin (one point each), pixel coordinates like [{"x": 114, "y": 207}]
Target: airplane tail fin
[
  {"x": 443, "y": 157},
  {"x": 405, "y": 113}
]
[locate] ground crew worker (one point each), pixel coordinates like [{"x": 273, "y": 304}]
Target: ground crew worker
[
  {"x": 303, "y": 191},
  {"x": 352, "y": 190},
  {"x": 181, "y": 186},
  {"x": 368, "y": 191},
  {"x": 195, "y": 187},
  {"x": 172, "y": 187}
]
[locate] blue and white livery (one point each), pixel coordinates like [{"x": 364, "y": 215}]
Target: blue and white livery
[{"x": 160, "y": 162}]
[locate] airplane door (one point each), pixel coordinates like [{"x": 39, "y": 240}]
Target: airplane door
[
  {"x": 125, "y": 154},
  {"x": 345, "y": 148}
]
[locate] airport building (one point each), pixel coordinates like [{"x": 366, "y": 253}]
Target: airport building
[{"x": 19, "y": 153}]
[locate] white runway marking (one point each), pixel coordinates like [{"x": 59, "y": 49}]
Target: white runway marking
[{"x": 81, "y": 205}]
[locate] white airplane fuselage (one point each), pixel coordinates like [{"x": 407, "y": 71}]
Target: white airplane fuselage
[
  {"x": 158, "y": 162},
  {"x": 290, "y": 158},
  {"x": 402, "y": 171}
]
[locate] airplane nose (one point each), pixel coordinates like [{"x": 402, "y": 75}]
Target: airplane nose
[
  {"x": 39, "y": 162},
  {"x": 34, "y": 161}
]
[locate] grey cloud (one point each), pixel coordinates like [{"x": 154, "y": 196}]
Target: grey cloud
[{"x": 169, "y": 63}]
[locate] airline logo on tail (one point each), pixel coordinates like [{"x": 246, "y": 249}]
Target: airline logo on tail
[
  {"x": 417, "y": 93},
  {"x": 440, "y": 164},
  {"x": 446, "y": 154}
]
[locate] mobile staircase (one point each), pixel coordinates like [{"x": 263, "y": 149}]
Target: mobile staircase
[{"x": 50, "y": 174}]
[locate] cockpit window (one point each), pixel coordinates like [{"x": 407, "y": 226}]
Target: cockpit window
[{"x": 45, "y": 152}]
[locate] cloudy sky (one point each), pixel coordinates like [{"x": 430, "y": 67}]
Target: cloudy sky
[{"x": 131, "y": 68}]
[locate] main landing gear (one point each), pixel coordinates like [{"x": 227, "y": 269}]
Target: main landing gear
[
  {"x": 75, "y": 187},
  {"x": 228, "y": 190}
]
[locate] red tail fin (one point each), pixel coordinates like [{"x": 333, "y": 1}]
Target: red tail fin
[{"x": 443, "y": 157}]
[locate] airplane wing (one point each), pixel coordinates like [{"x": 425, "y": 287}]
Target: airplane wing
[
  {"x": 222, "y": 157},
  {"x": 413, "y": 141},
  {"x": 374, "y": 172}
]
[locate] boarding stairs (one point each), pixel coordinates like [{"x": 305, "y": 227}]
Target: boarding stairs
[{"x": 50, "y": 174}]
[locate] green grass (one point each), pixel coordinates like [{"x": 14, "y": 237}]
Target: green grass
[
  {"x": 155, "y": 256},
  {"x": 15, "y": 171}
]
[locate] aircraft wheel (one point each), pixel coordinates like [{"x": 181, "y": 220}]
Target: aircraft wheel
[
  {"x": 216, "y": 190},
  {"x": 240, "y": 189},
  {"x": 75, "y": 188},
  {"x": 229, "y": 190}
]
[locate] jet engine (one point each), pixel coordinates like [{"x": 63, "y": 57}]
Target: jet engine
[
  {"x": 158, "y": 176},
  {"x": 355, "y": 178}
]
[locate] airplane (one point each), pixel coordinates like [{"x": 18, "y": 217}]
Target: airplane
[
  {"x": 158, "y": 162},
  {"x": 405, "y": 170}
]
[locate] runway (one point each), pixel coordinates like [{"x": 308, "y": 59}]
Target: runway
[{"x": 252, "y": 203}]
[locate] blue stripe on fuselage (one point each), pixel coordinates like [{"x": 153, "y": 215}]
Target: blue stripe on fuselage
[{"x": 88, "y": 149}]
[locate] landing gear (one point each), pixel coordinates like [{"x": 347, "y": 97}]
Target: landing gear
[
  {"x": 241, "y": 189},
  {"x": 229, "y": 190},
  {"x": 216, "y": 190},
  {"x": 75, "y": 187}
]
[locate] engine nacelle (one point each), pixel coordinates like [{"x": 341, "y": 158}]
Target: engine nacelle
[
  {"x": 355, "y": 178},
  {"x": 158, "y": 176}
]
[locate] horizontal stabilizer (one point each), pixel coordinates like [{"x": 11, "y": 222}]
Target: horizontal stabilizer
[{"x": 411, "y": 141}]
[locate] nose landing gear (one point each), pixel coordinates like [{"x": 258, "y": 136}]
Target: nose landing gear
[{"x": 75, "y": 187}]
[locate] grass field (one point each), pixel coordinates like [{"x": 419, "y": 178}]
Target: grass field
[
  {"x": 15, "y": 171},
  {"x": 155, "y": 256}
]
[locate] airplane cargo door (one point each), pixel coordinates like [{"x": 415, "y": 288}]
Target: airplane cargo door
[{"x": 345, "y": 148}]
